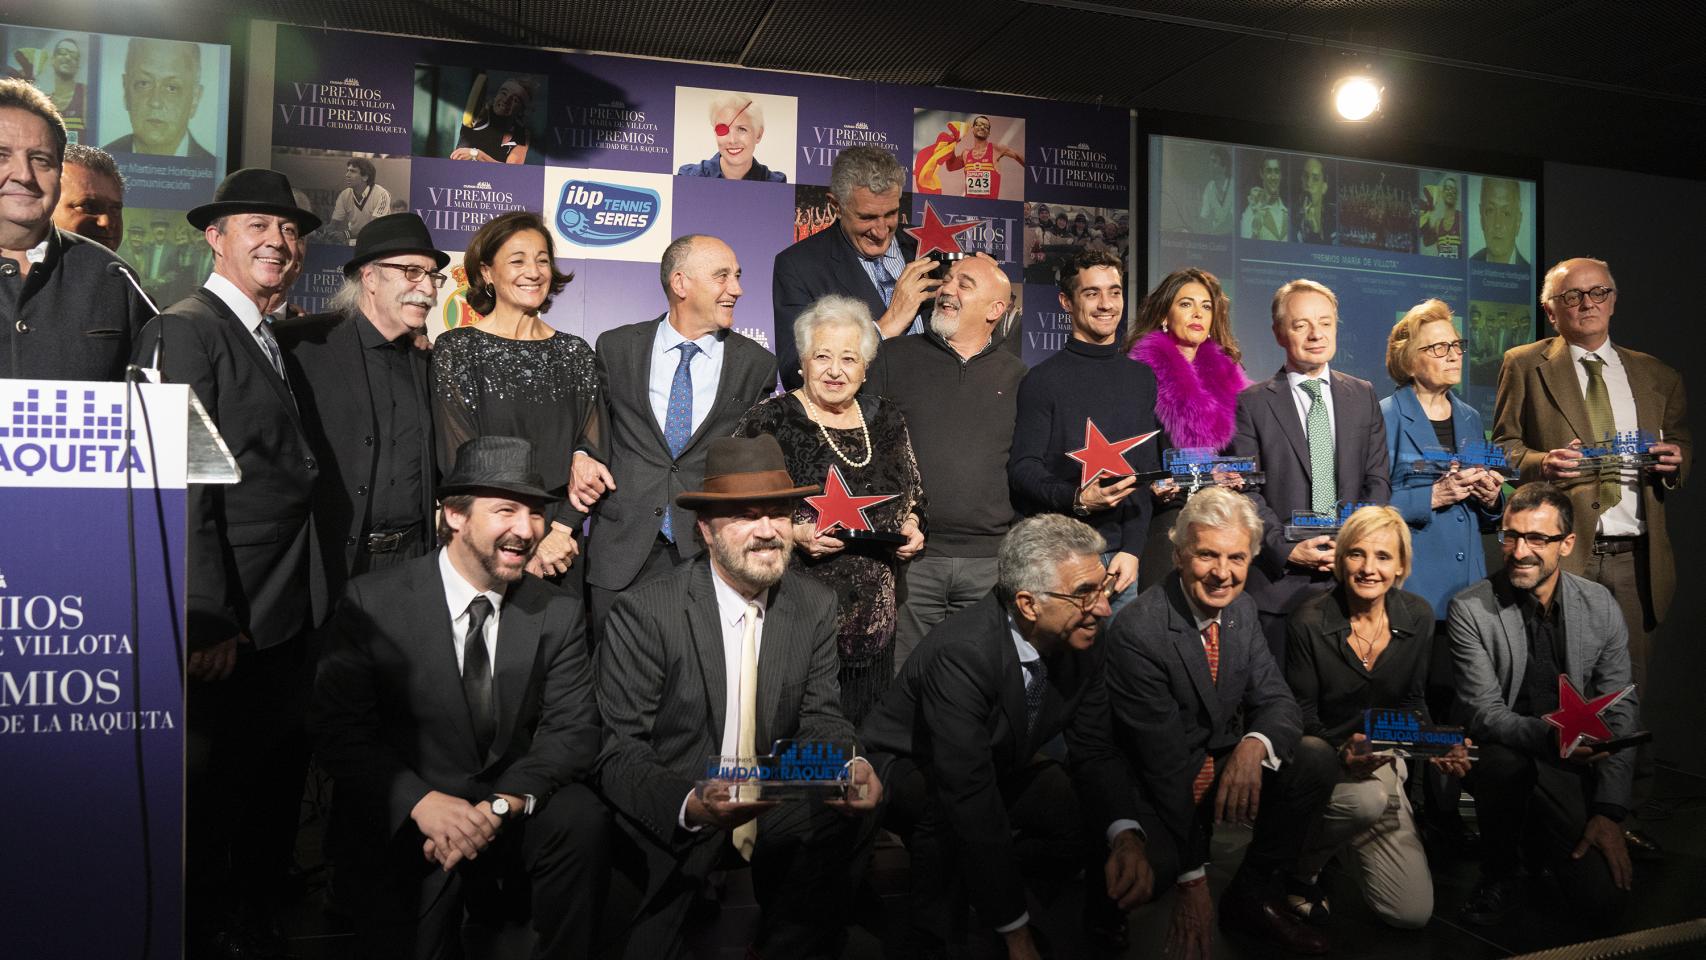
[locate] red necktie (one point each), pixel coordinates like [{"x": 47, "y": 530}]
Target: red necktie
[{"x": 1210, "y": 648}]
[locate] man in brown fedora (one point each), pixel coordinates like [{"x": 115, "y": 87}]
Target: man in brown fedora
[
  {"x": 723, "y": 656},
  {"x": 366, "y": 399},
  {"x": 454, "y": 709},
  {"x": 256, "y": 581}
]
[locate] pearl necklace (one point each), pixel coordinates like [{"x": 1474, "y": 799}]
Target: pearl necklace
[{"x": 811, "y": 411}]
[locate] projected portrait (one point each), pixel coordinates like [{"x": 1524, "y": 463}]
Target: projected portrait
[
  {"x": 1501, "y": 220},
  {"x": 1440, "y": 218},
  {"x": 720, "y": 134},
  {"x": 151, "y": 96},
  {"x": 1265, "y": 216},
  {"x": 1317, "y": 213},
  {"x": 490, "y": 116},
  {"x": 1197, "y": 192},
  {"x": 968, "y": 155},
  {"x": 347, "y": 191},
  {"x": 57, "y": 64}
]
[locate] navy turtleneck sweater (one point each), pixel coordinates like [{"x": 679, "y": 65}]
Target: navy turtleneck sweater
[{"x": 1083, "y": 381}]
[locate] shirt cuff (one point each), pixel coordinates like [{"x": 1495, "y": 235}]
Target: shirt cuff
[
  {"x": 529, "y": 801},
  {"x": 681, "y": 818},
  {"x": 1196, "y": 874},
  {"x": 1120, "y": 826},
  {"x": 1272, "y": 762},
  {"x": 1611, "y": 811},
  {"x": 1024, "y": 918}
]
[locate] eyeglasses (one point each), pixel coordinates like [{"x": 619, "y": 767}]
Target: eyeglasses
[
  {"x": 414, "y": 273},
  {"x": 1535, "y": 541},
  {"x": 1573, "y": 298},
  {"x": 1086, "y": 601},
  {"x": 1446, "y": 348}
]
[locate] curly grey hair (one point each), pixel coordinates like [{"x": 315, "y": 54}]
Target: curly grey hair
[
  {"x": 1034, "y": 549},
  {"x": 873, "y": 168},
  {"x": 835, "y": 310}
]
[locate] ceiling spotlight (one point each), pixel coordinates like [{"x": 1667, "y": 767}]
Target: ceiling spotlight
[{"x": 1357, "y": 98}]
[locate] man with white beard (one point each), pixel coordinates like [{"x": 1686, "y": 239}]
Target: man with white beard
[
  {"x": 957, "y": 389},
  {"x": 366, "y": 401}
]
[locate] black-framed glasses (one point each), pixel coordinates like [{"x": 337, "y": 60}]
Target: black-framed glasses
[
  {"x": 1573, "y": 298},
  {"x": 413, "y": 273},
  {"x": 1086, "y": 600},
  {"x": 1535, "y": 541},
  {"x": 1446, "y": 348}
]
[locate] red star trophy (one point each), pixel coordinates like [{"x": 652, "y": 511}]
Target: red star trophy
[
  {"x": 936, "y": 240},
  {"x": 1581, "y": 721},
  {"x": 1104, "y": 459},
  {"x": 838, "y": 509}
]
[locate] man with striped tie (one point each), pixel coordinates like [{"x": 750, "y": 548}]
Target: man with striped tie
[{"x": 1214, "y": 733}]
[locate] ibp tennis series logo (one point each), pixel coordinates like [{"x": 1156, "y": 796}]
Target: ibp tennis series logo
[{"x": 596, "y": 214}]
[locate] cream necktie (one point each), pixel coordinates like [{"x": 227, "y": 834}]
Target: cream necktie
[{"x": 746, "y": 835}]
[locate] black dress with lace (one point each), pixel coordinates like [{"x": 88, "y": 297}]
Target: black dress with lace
[
  {"x": 863, "y": 581},
  {"x": 544, "y": 391}
]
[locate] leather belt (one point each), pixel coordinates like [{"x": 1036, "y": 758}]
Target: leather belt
[
  {"x": 1608, "y": 546},
  {"x": 387, "y": 542}
]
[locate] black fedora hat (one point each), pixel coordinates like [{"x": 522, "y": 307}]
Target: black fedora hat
[
  {"x": 495, "y": 463},
  {"x": 394, "y": 233},
  {"x": 744, "y": 468},
  {"x": 253, "y": 190}
]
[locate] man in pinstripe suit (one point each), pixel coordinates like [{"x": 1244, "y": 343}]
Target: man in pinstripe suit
[{"x": 724, "y": 656}]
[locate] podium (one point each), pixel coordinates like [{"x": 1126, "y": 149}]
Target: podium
[{"x": 92, "y": 595}]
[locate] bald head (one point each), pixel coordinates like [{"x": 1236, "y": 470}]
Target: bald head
[{"x": 974, "y": 297}]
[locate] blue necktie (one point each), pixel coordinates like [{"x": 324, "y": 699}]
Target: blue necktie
[
  {"x": 885, "y": 281},
  {"x": 1036, "y": 684},
  {"x": 678, "y": 419}
]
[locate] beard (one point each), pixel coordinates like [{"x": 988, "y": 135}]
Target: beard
[
  {"x": 499, "y": 566},
  {"x": 744, "y": 564}
]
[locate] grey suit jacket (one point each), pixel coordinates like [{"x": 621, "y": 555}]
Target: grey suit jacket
[
  {"x": 628, "y": 519},
  {"x": 1170, "y": 712},
  {"x": 661, "y": 688},
  {"x": 1489, "y": 650},
  {"x": 1269, "y": 430}
]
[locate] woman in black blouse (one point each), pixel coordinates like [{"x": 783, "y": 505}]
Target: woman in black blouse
[
  {"x": 826, "y": 425},
  {"x": 1365, "y": 645}
]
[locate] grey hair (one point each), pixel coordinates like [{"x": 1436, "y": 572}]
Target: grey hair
[
  {"x": 97, "y": 160},
  {"x": 1034, "y": 549},
  {"x": 675, "y": 257},
  {"x": 190, "y": 52},
  {"x": 836, "y": 310},
  {"x": 734, "y": 101},
  {"x": 347, "y": 301},
  {"x": 1549, "y": 284},
  {"x": 873, "y": 168},
  {"x": 1215, "y": 507}
]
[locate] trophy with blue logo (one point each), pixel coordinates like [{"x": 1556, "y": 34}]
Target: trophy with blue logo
[
  {"x": 1402, "y": 733},
  {"x": 1437, "y": 461},
  {"x": 792, "y": 770},
  {"x": 1618, "y": 455},
  {"x": 1306, "y": 524},
  {"x": 1193, "y": 468}
]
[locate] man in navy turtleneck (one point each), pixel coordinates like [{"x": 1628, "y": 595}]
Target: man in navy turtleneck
[{"x": 1090, "y": 378}]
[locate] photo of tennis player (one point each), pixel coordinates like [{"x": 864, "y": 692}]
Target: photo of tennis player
[
  {"x": 152, "y": 97},
  {"x": 966, "y": 155},
  {"x": 345, "y": 190},
  {"x": 719, "y": 134},
  {"x": 57, "y": 64},
  {"x": 491, "y": 116}
]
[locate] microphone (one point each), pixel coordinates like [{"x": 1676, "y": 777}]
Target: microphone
[{"x": 120, "y": 268}]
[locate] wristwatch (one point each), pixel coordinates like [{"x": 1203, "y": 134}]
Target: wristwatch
[{"x": 500, "y": 805}]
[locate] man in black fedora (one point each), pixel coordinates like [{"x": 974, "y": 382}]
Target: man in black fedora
[
  {"x": 256, "y": 580},
  {"x": 454, "y": 709},
  {"x": 365, "y": 399},
  {"x": 723, "y": 656}
]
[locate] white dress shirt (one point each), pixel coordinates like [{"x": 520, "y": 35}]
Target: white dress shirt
[
  {"x": 1623, "y": 520},
  {"x": 731, "y": 616},
  {"x": 458, "y": 593},
  {"x": 247, "y": 313},
  {"x": 706, "y": 369},
  {"x": 1300, "y": 398}
]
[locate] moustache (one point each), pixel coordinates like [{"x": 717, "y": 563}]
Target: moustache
[
  {"x": 766, "y": 543},
  {"x": 416, "y": 300},
  {"x": 523, "y": 544}
]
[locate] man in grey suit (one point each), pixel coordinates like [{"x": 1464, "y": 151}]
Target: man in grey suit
[
  {"x": 724, "y": 656},
  {"x": 1318, "y": 448},
  {"x": 1214, "y": 733},
  {"x": 1512, "y": 635},
  {"x": 674, "y": 384}
]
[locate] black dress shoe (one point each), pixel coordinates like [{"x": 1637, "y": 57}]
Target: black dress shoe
[
  {"x": 1245, "y": 909},
  {"x": 1490, "y": 902},
  {"x": 1643, "y": 846}
]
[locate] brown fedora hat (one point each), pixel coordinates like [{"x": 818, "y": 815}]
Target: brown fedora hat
[{"x": 744, "y": 468}]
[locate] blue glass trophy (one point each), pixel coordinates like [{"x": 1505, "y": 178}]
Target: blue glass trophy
[
  {"x": 1403, "y": 734},
  {"x": 1469, "y": 453},
  {"x": 792, "y": 770},
  {"x": 1193, "y": 468},
  {"x": 1307, "y": 524}
]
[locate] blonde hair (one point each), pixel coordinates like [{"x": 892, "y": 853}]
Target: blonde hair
[
  {"x": 1365, "y": 523},
  {"x": 732, "y": 102},
  {"x": 1401, "y": 343}
]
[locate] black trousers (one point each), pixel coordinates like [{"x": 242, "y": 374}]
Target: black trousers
[
  {"x": 664, "y": 557},
  {"x": 1541, "y": 805},
  {"x": 806, "y": 865},
  {"x": 413, "y": 909}
]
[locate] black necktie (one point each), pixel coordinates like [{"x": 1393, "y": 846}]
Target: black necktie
[
  {"x": 1035, "y": 685},
  {"x": 477, "y": 674}
]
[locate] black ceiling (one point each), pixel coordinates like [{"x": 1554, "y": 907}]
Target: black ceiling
[{"x": 1617, "y": 83}]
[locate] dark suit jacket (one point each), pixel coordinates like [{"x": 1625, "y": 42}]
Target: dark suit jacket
[
  {"x": 390, "y": 719},
  {"x": 1269, "y": 430},
  {"x": 958, "y": 710},
  {"x": 125, "y": 144},
  {"x": 628, "y": 519},
  {"x": 1540, "y": 407},
  {"x": 1168, "y": 712},
  {"x": 821, "y": 264},
  {"x": 661, "y": 687},
  {"x": 254, "y": 561},
  {"x": 81, "y": 318},
  {"x": 337, "y": 408}
]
